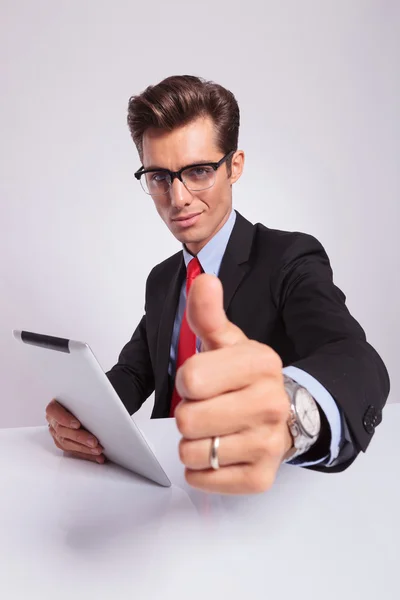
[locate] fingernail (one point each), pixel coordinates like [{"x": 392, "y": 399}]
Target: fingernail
[
  {"x": 96, "y": 451},
  {"x": 91, "y": 442},
  {"x": 74, "y": 424},
  {"x": 53, "y": 423}
]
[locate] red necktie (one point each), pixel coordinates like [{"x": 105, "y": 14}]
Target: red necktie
[{"x": 187, "y": 339}]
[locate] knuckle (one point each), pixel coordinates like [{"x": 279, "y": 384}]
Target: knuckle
[
  {"x": 265, "y": 481},
  {"x": 251, "y": 481},
  {"x": 183, "y": 420},
  {"x": 275, "y": 447},
  {"x": 283, "y": 411},
  {"x": 279, "y": 409},
  {"x": 258, "y": 480},
  {"x": 271, "y": 446},
  {"x": 259, "y": 407},
  {"x": 275, "y": 360},
  {"x": 257, "y": 358},
  {"x": 188, "y": 378},
  {"x": 260, "y": 447},
  {"x": 265, "y": 358},
  {"x": 187, "y": 453},
  {"x": 55, "y": 440},
  {"x": 261, "y": 394},
  {"x": 272, "y": 357},
  {"x": 252, "y": 356},
  {"x": 270, "y": 405},
  {"x": 59, "y": 437},
  {"x": 190, "y": 477},
  {"x": 273, "y": 412},
  {"x": 195, "y": 479},
  {"x": 183, "y": 451},
  {"x": 274, "y": 450}
]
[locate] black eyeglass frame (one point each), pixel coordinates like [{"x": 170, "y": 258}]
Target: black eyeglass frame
[{"x": 178, "y": 174}]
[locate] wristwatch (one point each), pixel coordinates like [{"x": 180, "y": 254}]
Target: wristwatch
[{"x": 304, "y": 419}]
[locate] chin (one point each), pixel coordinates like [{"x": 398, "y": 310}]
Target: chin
[
  {"x": 187, "y": 238},
  {"x": 194, "y": 235}
]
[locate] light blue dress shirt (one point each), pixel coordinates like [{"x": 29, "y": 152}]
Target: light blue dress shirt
[{"x": 210, "y": 258}]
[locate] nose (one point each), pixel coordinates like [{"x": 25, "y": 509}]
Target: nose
[{"x": 179, "y": 194}]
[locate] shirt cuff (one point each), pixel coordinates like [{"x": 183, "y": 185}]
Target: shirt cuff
[{"x": 327, "y": 405}]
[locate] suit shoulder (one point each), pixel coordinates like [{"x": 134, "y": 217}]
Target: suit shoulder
[
  {"x": 282, "y": 242},
  {"x": 166, "y": 268}
]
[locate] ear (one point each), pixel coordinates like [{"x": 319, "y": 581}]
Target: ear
[{"x": 237, "y": 166}]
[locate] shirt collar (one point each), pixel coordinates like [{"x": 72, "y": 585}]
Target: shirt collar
[{"x": 210, "y": 257}]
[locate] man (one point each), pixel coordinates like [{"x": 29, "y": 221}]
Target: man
[{"x": 245, "y": 338}]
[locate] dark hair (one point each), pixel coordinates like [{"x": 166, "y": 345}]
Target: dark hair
[{"x": 179, "y": 99}]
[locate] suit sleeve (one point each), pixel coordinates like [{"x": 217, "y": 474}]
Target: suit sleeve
[
  {"x": 132, "y": 377},
  {"x": 329, "y": 343}
]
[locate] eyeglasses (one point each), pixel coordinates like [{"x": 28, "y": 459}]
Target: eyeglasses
[{"x": 196, "y": 177}]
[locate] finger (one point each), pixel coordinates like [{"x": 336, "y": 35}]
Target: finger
[
  {"x": 209, "y": 374},
  {"x": 69, "y": 446},
  {"x": 236, "y": 479},
  {"x": 206, "y": 315},
  {"x": 81, "y": 436},
  {"x": 101, "y": 459},
  {"x": 55, "y": 413},
  {"x": 232, "y": 412},
  {"x": 242, "y": 448},
  {"x": 223, "y": 415}
]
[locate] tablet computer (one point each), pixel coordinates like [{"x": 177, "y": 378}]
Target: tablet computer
[{"x": 82, "y": 387}]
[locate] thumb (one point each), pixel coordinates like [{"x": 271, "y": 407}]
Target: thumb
[{"x": 206, "y": 316}]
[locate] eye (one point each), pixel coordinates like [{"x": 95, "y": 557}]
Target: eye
[
  {"x": 158, "y": 177},
  {"x": 197, "y": 172}
]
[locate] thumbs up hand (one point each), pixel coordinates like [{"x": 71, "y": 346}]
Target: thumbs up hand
[{"x": 233, "y": 389}]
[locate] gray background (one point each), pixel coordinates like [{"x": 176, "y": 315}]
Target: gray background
[{"x": 319, "y": 89}]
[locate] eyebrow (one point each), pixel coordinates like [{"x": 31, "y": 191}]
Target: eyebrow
[{"x": 197, "y": 162}]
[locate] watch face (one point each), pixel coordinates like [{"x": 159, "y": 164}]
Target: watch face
[{"x": 307, "y": 412}]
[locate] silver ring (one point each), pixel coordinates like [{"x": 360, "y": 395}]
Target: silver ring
[{"x": 214, "y": 453}]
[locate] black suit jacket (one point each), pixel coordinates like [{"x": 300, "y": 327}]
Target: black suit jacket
[{"x": 278, "y": 289}]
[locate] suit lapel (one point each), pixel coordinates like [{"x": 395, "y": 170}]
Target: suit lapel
[
  {"x": 166, "y": 328},
  {"x": 235, "y": 262}
]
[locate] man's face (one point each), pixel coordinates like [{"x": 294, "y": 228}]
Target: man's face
[{"x": 210, "y": 209}]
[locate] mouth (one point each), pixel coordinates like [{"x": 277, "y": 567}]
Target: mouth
[{"x": 187, "y": 220}]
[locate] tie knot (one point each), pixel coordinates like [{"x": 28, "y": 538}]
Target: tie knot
[{"x": 193, "y": 269}]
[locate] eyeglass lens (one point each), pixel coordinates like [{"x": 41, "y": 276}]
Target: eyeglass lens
[{"x": 195, "y": 179}]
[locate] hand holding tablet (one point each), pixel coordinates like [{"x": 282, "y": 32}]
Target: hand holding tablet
[{"x": 69, "y": 435}]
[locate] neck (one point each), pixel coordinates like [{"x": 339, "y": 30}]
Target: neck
[{"x": 195, "y": 247}]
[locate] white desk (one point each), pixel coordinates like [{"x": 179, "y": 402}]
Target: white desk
[{"x": 70, "y": 529}]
